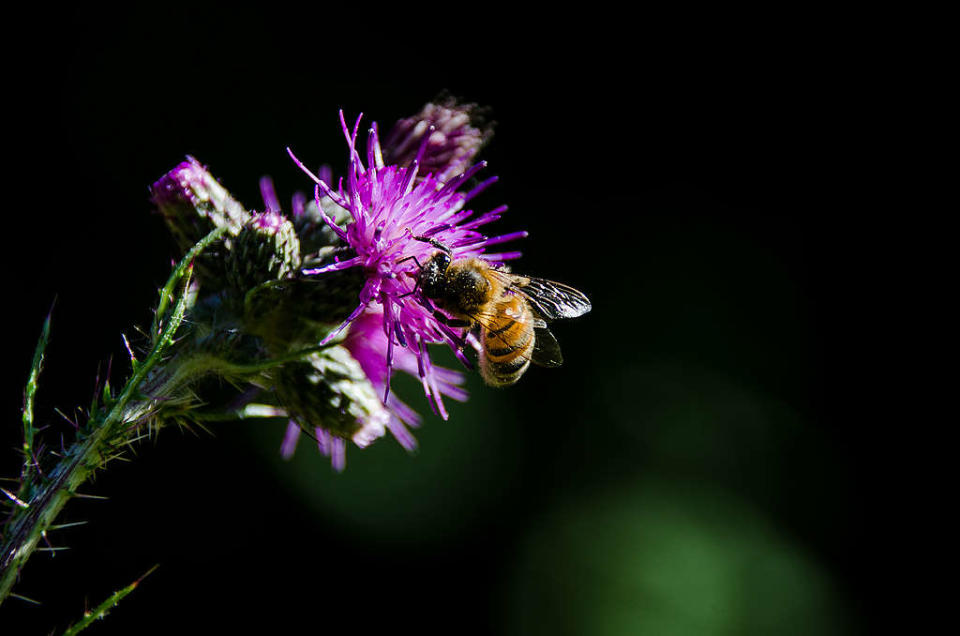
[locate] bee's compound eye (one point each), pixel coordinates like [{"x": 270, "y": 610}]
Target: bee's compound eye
[{"x": 443, "y": 260}]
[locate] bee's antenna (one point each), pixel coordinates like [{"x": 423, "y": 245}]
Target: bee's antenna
[{"x": 432, "y": 241}]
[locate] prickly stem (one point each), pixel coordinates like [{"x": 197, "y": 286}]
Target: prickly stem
[
  {"x": 104, "y": 431},
  {"x": 108, "y": 604},
  {"x": 28, "y": 395}
]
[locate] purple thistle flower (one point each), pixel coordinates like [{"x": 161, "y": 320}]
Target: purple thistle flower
[
  {"x": 389, "y": 207},
  {"x": 367, "y": 343}
]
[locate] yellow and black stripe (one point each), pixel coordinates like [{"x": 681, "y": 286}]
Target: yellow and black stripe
[{"x": 508, "y": 342}]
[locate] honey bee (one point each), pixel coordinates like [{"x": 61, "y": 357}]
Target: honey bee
[{"x": 510, "y": 311}]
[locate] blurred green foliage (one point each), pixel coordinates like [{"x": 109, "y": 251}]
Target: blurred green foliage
[{"x": 668, "y": 559}]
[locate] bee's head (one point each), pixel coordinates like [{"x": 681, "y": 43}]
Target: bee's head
[
  {"x": 430, "y": 279},
  {"x": 431, "y": 276}
]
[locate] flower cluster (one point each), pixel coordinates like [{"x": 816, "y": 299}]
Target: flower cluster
[{"x": 361, "y": 239}]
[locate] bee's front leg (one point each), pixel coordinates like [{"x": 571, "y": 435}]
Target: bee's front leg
[{"x": 456, "y": 323}]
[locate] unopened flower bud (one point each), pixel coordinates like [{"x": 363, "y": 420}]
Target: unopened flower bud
[
  {"x": 193, "y": 204},
  {"x": 458, "y": 133},
  {"x": 313, "y": 231},
  {"x": 329, "y": 390},
  {"x": 266, "y": 249}
]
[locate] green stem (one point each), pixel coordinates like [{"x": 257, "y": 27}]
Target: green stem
[
  {"x": 28, "y": 528},
  {"x": 108, "y": 604},
  {"x": 107, "y": 429},
  {"x": 28, "y": 394}
]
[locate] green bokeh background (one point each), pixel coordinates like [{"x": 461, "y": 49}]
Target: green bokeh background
[{"x": 692, "y": 468}]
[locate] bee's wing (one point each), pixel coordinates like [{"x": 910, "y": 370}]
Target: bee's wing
[
  {"x": 546, "y": 350},
  {"x": 550, "y": 299}
]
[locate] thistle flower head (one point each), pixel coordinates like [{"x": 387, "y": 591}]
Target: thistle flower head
[
  {"x": 192, "y": 204},
  {"x": 266, "y": 248},
  {"x": 453, "y": 133},
  {"x": 331, "y": 388},
  {"x": 390, "y": 207}
]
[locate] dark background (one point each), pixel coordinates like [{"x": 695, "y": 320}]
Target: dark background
[{"x": 703, "y": 463}]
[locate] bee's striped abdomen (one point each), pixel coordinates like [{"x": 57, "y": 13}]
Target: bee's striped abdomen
[{"x": 508, "y": 342}]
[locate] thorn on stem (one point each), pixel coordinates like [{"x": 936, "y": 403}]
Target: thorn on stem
[
  {"x": 14, "y": 498},
  {"x": 85, "y": 496},
  {"x": 25, "y": 598},
  {"x": 133, "y": 357}
]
